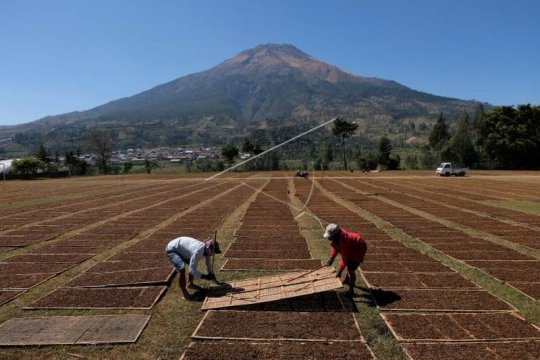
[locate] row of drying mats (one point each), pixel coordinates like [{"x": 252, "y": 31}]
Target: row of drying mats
[
  {"x": 294, "y": 314},
  {"x": 430, "y": 308},
  {"x": 433, "y": 311},
  {"x": 511, "y": 256},
  {"x": 131, "y": 280}
]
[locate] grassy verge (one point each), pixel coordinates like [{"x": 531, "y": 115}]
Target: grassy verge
[{"x": 531, "y": 207}]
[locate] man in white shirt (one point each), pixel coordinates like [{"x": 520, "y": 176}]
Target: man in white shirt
[{"x": 187, "y": 250}]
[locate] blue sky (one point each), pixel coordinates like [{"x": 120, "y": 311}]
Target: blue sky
[{"x": 65, "y": 55}]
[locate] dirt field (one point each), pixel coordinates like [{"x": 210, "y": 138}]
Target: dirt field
[{"x": 450, "y": 262}]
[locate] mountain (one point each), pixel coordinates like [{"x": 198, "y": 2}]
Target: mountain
[{"x": 269, "y": 82}]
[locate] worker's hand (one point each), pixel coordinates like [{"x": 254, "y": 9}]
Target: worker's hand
[
  {"x": 329, "y": 261},
  {"x": 338, "y": 275}
]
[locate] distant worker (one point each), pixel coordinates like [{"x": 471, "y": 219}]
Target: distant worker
[
  {"x": 187, "y": 250},
  {"x": 352, "y": 248},
  {"x": 302, "y": 173}
]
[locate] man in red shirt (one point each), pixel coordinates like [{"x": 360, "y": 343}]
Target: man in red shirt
[{"x": 351, "y": 247}]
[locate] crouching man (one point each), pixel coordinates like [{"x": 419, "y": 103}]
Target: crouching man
[
  {"x": 187, "y": 250},
  {"x": 352, "y": 248}
]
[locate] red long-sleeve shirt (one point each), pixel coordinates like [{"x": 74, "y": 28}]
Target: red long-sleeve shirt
[{"x": 351, "y": 246}]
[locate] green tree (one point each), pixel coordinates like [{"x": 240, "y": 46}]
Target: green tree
[
  {"x": 229, "y": 152},
  {"x": 74, "y": 164},
  {"x": 367, "y": 161},
  {"x": 385, "y": 150},
  {"x": 439, "y": 135},
  {"x": 150, "y": 165},
  {"x": 427, "y": 159},
  {"x": 329, "y": 152},
  {"x": 247, "y": 146},
  {"x": 343, "y": 130},
  {"x": 203, "y": 165},
  {"x": 219, "y": 165},
  {"x": 128, "y": 165},
  {"x": 394, "y": 162},
  {"x": 411, "y": 162},
  {"x": 477, "y": 121},
  {"x": 42, "y": 153},
  {"x": 461, "y": 147},
  {"x": 83, "y": 167},
  {"x": 511, "y": 136},
  {"x": 325, "y": 165},
  {"x": 251, "y": 147},
  {"x": 27, "y": 166}
]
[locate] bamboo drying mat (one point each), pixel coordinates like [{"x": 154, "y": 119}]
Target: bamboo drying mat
[{"x": 272, "y": 288}]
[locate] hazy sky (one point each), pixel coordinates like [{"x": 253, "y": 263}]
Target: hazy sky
[{"x": 58, "y": 56}]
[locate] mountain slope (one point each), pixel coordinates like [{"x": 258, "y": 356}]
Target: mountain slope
[
  {"x": 271, "y": 81},
  {"x": 268, "y": 81}
]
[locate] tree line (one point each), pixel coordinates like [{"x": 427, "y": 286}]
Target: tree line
[
  {"x": 341, "y": 130},
  {"x": 98, "y": 141},
  {"x": 506, "y": 137}
]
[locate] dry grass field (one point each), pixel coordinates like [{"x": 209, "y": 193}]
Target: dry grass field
[{"x": 452, "y": 269}]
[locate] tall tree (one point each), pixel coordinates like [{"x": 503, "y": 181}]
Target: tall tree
[
  {"x": 343, "y": 129},
  {"x": 74, "y": 164},
  {"x": 461, "y": 147},
  {"x": 385, "y": 150},
  {"x": 229, "y": 152},
  {"x": 511, "y": 136},
  {"x": 328, "y": 152},
  {"x": 150, "y": 165},
  {"x": 101, "y": 143},
  {"x": 438, "y": 136},
  {"x": 477, "y": 120},
  {"x": 247, "y": 146},
  {"x": 251, "y": 147},
  {"x": 42, "y": 153}
]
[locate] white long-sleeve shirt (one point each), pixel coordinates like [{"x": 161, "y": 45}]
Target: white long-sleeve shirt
[{"x": 192, "y": 249}]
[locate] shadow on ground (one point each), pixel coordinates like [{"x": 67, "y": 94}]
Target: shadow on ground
[{"x": 379, "y": 297}]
